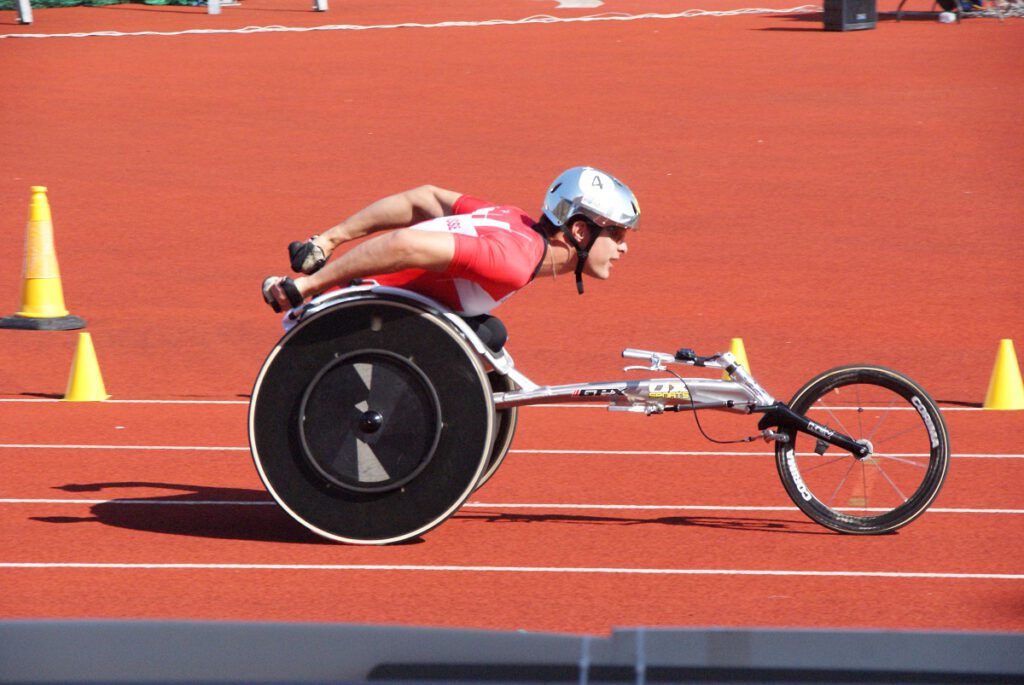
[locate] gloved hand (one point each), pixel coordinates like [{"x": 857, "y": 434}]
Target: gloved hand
[
  {"x": 278, "y": 291},
  {"x": 307, "y": 257}
]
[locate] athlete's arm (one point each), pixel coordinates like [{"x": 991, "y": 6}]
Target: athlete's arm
[
  {"x": 395, "y": 211},
  {"x": 395, "y": 251}
]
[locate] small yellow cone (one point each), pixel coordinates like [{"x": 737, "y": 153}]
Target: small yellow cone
[
  {"x": 1005, "y": 389},
  {"x": 86, "y": 382},
  {"x": 736, "y": 347},
  {"x": 42, "y": 296}
]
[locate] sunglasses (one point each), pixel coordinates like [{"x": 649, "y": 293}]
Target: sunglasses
[{"x": 617, "y": 233}]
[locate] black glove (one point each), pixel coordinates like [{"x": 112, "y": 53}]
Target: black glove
[
  {"x": 288, "y": 285},
  {"x": 306, "y": 257}
]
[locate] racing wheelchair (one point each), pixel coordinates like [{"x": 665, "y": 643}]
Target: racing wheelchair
[{"x": 380, "y": 411}]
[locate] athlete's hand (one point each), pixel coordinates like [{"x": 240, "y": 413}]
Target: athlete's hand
[
  {"x": 281, "y": 293},
  {"x": 307, "y": 257}
]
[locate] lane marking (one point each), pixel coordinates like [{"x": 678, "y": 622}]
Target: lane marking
[
  {"x": 168, "y": 448},
  {"x": 679, "y": 453},
  {"x": 705, "y": 507},
  {"x": 149, "y": 502},
  {"x": 591, "y": 405},
  {"x": 36, "y": 400},
  {"x": 597, "y": 405},
  {"x": 515, "y": 569},
  {"x": 489, "y": 505},
  {"x": 726, "y": 453}
]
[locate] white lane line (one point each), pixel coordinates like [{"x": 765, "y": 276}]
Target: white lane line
[
  {"x": 568, "y": 405},
  {"x": 486, "y": 505},
  {"x": 726, "y": 453},
  {"x": 149, "y": 502},
  {"x": 515, "y": 569},
  {"x": 36, "y": 400},
  {"x": 678, "y": 453},
  {"x": 168, "y": 448},
  {"x": 704, "y": 507}
]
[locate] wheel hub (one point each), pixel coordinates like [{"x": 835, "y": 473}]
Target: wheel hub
[
  {"x": 870, "y": 449},
  {"x": 371, "y": 421},
  {"x": 342, "y": 427}
]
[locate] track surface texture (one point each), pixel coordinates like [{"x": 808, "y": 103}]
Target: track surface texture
[{"x": 827, "y": 197}]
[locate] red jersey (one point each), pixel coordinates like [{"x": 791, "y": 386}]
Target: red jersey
[{"x": 497, "y": 252}]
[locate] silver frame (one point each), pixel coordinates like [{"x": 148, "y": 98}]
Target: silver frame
[
  {"x": 654, "y": 395},
  {"x": 648, "y": 396}
]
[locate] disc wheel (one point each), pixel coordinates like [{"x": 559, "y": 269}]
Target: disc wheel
[
  {"x": 371, "y": 421},
  {"x": 909, "y": 451},
  {"x": 506, "y": 421}
]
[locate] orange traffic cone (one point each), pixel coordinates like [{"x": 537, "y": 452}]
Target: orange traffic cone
[
  {"x": 42, "y": 297},
  {"x": 85, "y": 383},
  {"x": 1005, "y": 388}
]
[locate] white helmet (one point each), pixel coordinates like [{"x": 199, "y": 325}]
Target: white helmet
[{"x": 597, "y": 196}]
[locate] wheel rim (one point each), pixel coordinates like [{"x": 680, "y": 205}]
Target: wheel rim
[{"x": 890, "y": 487}]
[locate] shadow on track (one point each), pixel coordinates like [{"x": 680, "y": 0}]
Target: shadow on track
[
  {"x": 753, "y": 525},
  {"x": 198, "y": 511},
  {"x": 243, "y": 514}
]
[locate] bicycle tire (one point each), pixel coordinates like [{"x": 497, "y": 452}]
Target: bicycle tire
[{"x": 892, "y": 486}]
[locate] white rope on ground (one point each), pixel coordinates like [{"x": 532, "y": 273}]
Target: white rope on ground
[
  {"x": 1001, "y": 9},
  {"x": 536, "y": 19}
]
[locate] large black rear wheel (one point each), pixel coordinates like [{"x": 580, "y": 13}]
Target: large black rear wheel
[{"x": 371, "y": 421}]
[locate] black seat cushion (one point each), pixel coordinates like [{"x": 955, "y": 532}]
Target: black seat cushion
[{"x": 489, "y": 329}]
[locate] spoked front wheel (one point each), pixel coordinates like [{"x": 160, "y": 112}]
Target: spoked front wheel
[{"x": 900, "y": 477}]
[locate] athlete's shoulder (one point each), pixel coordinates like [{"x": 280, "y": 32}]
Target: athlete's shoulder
[{"x": 469, "y": 204}]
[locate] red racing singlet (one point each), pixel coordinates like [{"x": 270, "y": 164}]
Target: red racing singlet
[{"x": 497, "y": 252}]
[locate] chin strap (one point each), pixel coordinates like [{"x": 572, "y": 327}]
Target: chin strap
[{"x": 581, "y": 252}]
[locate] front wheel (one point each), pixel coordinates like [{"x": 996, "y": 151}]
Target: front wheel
[{"x": 909, "y": 451}]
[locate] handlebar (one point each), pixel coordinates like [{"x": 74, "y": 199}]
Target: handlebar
[
  {"x": 653, "y": 357},
  {"x": 682, "y": 356}
]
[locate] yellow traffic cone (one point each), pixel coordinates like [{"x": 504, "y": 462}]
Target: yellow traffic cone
[
  {"x": 85, "y": 383},
  {"x": 736, "y": 347},
  {"x": 1005, "y": 389},
  {"x": 42, "y": 298}
]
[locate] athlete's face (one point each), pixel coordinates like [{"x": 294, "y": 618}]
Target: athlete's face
[{"x": 609, "y": 247}]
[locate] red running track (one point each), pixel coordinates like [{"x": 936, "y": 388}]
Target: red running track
[
  {"x": 587, "y": 559},
  {"x": 829, "y": 198}
]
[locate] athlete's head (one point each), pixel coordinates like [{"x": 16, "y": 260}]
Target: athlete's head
[{"x": 603, "y": 203}]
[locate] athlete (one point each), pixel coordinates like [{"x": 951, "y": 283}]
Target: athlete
[{"x": 466, "y": 253}]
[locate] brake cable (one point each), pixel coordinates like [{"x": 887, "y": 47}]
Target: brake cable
[{"x": 696, "y": 417}]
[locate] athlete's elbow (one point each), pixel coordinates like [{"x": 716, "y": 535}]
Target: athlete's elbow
[{"x": 426, "y": 202}]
